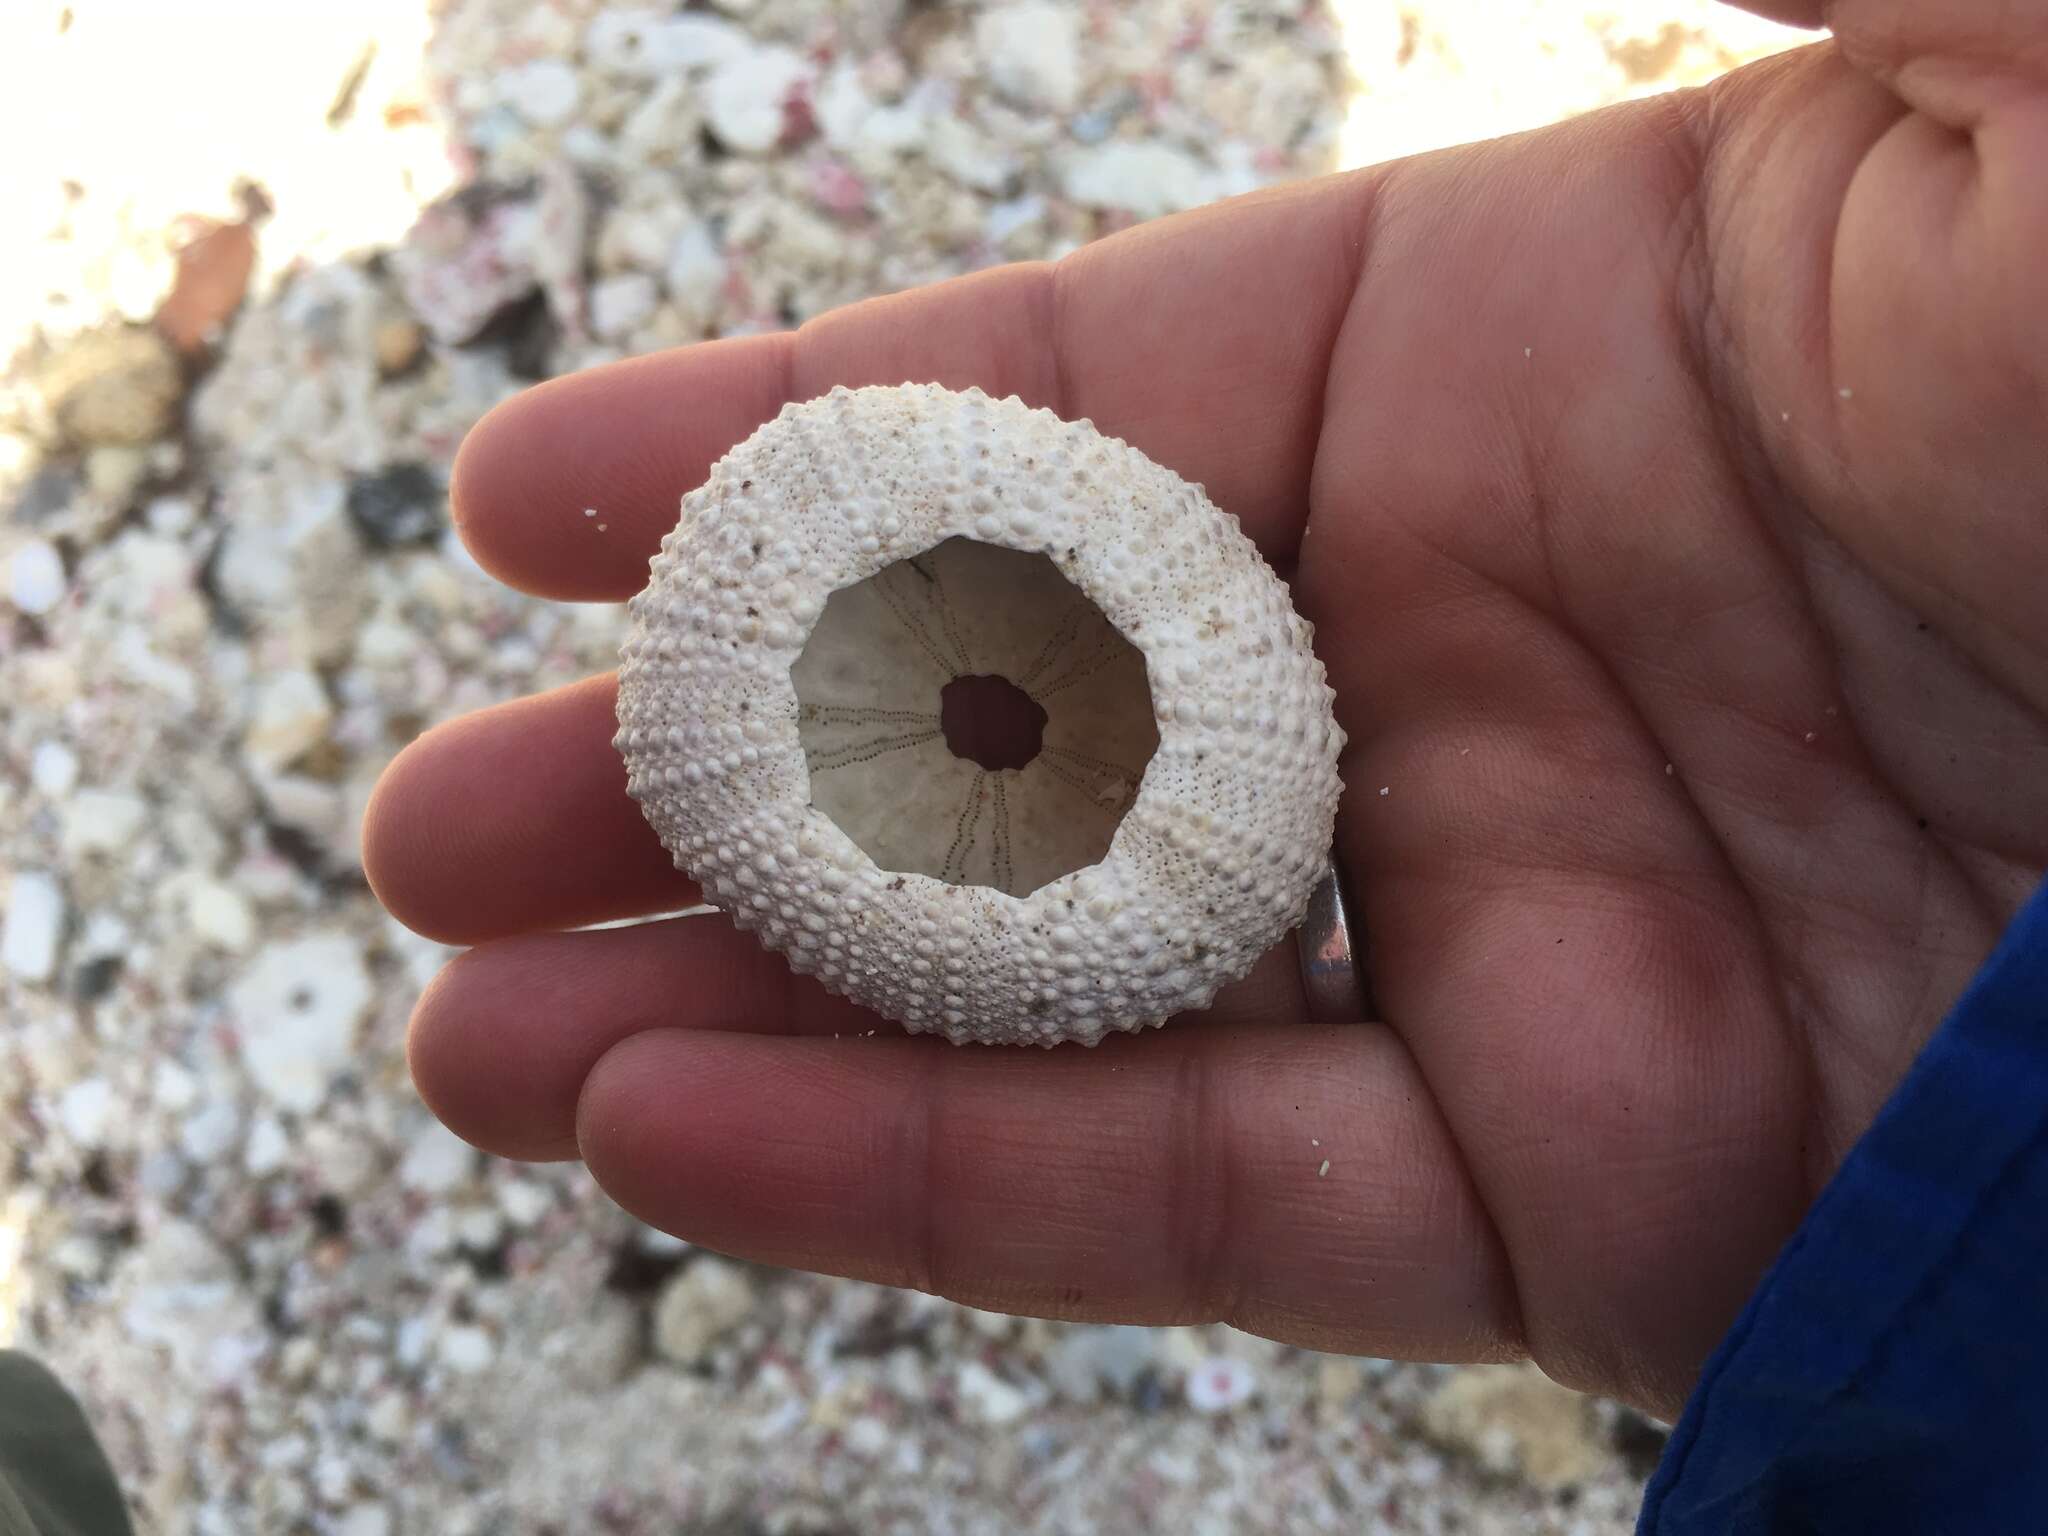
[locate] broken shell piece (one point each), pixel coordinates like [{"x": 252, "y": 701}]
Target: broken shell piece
[{"x": 1142, "y": 812}]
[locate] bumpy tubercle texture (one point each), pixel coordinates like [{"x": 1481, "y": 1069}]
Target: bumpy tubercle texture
[{"x": 1230, "y": 824}]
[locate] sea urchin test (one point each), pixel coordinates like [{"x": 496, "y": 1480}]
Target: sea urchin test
[{"x": 984, "y": 719}]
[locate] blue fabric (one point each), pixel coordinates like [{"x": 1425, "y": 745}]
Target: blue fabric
[{"x": 1891, "y": 1372}]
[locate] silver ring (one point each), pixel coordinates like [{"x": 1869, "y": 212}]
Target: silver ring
[{"x": 1330, "y": 978}]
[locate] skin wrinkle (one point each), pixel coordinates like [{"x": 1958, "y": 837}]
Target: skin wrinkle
[
  {"x": 1559, "y": 1357},
  {"x": 1505, "y": 1336},
  {"x": 1741, "y": 446},
  {"x": 1712, "y": 350},
  {"x": 1200, "y": 1199},
  {"x": 1969, "y": 194},
  {"x": 1717, "y": 350},
  {"x": 1800, "y": 1006},
  {"x": 1053, "y": 322},
  {"x": 1374, "y": 187},
  {"x": 1928, "y": 585},
  {"x": 1960, "y": 82},
  {"x": 919, "y": 1200},
  {"x": 1803, "y": 998},
  {"x": 1372, "y": 215},
  {"x": 1683, "y": 886},
  {"x": 1825, "y": 568},
  {"x": 1290, "y": 1315},
  {"x": 788, "y": 355}
]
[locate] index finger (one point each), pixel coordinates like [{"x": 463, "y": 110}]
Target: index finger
[{"x": 1202, "y": 340}]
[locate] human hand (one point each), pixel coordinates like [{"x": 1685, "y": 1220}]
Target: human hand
[{"x": 1704, "y": 432}]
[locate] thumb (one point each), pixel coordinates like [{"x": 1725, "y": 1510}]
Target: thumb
[{"x": 1957, "y": 61}]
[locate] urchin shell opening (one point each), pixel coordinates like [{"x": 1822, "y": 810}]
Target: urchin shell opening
[
  {"x": 874, "y": 682},
  {"x": 991, "y": 722}
]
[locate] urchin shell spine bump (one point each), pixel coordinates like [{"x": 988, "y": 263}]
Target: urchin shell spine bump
[{"x": 780, "y": 718}]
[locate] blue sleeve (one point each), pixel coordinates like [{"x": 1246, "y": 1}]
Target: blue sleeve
[{"x": 1891, "y": 1372}]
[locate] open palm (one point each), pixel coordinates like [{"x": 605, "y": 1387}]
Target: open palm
[{"x": 1668, "y": 491}]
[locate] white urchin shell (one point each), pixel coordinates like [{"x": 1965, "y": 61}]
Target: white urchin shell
[{"x": 1230, "y": 826}]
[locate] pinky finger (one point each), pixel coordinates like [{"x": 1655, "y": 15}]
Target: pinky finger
[{"x": 1296, "y": 1181}]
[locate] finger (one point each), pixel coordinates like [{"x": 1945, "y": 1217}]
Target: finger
[
  {"x": 515, "y": 818},
  {"x": 1794, "y": 13},
  {"x": 1201, "y": 340},
  {"x": 503, "y": 1039},
  {"x": 1956, "y": 61},
  {"x": 1174, "y": 1177}
]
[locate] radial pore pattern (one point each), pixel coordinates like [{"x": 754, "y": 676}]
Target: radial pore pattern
[{"x": 870, "y": 685}]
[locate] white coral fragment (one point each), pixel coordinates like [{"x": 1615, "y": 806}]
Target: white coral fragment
[{"x": 779, "y": 715}]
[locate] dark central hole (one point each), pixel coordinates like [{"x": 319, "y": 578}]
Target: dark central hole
[{"x": 990, "y": 721}]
